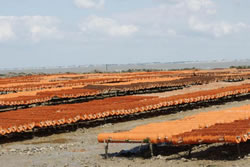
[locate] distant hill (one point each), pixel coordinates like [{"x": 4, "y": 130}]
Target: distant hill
[{"x": 124, "y": 67}]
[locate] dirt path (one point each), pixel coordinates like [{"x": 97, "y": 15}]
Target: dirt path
[{"x": 80, "y": 148}]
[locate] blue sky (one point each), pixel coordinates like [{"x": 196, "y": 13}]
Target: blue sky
[{"x": 44, "y": 33}]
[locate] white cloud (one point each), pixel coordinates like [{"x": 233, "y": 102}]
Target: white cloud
[
  {"x": 216, "y": 29},
  {"x": 6, "y": 32},
  {"x": 171, "y": 32},
  {"x": 181, "y": 18},
  {"x": 41, "y": 32},
  {"x": 107, "y": 26},
  {"x": 87, "y": 4},
  {"x": 170, "y": 17},
  {"x": 197, "y": 5},
  {"x": 34, "y": 28}
]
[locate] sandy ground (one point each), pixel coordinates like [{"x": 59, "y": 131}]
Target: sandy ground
[
  {"x": 194, "y": 88},
  {"x": 80, "y": 148}
]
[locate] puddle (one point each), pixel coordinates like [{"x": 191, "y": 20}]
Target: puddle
[{"x": 55, "y": 141}]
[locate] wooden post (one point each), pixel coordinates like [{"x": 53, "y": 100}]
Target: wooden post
[
  {"x": 190, "y": 151},
  {"x": 238, "y": 149},
  {"x": 105, "y": 120},
  {"x": 141, "y": 147},
  {"x": 151, "y": 149},
  {"x": 106, "y": 149}
]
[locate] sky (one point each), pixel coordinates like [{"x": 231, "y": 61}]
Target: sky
[{"x": 49, "y": 33}]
